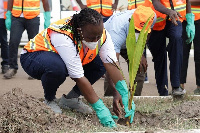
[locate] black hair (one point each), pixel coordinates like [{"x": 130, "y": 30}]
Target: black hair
[{"x": 86, "y": 16}]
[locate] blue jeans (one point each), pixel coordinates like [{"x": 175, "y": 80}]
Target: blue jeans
[
  {"x": 157, "y": 46},
  {"x": 17, "y": 28},
  {"x": 3, "y": 42},
  {"x": 51, "y": 70}
]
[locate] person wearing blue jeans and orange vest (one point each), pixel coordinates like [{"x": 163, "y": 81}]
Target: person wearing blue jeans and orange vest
[
  {"x": 21, "y": 15},
  {"x": 170, "y": 15},
  {"x": 104, "y": 7},
  {"x": 187, "y": 46},
  {"x": 3, "y": 36},
  {"x": 78, "y": 47}
]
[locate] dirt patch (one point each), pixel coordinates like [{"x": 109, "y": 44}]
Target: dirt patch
[
  {"x": 23, "y": 113},
  {"x": 182, "y": 115}
]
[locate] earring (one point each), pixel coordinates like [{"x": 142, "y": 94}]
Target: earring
[{"x": 82, "y": 34}]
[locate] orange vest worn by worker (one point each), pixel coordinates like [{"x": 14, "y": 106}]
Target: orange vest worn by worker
[
  {"x": 179, "y": 6},
  {"x": 132, "y": 4},
  {"x": 104, "y": 7},
  {"x": 196, "y": 12},
  {"x": 42, "y": 42},
  {"x": 29, "y": 8},
  {"x": 5, "y": 4}
]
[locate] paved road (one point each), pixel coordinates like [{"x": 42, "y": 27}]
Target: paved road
[{"x": 34, "y": 87}]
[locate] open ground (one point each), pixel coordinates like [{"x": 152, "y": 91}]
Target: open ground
[{"x": 21, "y": 111}]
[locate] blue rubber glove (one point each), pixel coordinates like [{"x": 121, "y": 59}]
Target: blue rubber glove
[
  {"x": 8, "y": 19},
  {"x": 47, "y": 18},
  {"x": 103, "y": 114},
  {"x": 121, "y": 87},
  {"x": 190, "y": 27}
]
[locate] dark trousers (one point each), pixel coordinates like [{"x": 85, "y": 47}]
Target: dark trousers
[
  {"x": 186, "y": 52},
  {"x": 3, "y": 42},
  {"x": 51, "y": 70},
  {"x": 105, "y": 19},
  {"x": 17, "y": 28},
  {"x": 157, "y": 46}
]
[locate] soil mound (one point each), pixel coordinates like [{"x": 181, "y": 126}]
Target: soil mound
[{"x": 23, "y": 113}]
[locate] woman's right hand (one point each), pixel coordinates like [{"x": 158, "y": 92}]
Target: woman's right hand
[
  {"x": 121, "y": 87},
  {"x": 103, "y": 114}
]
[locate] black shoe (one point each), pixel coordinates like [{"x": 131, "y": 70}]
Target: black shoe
[
  {"x": 5, "y": 68},
  {"x": 10, "y": 73},
  {"x": 197, "y": 91},
  {"x": 178, "y": 91}
]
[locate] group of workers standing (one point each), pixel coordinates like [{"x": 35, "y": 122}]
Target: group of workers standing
[
  {"x": 19, "y": 16},
  {"x": 83, "y": 46}
]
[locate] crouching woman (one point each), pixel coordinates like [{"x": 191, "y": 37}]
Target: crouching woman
[{"x": 75, "y": 47}]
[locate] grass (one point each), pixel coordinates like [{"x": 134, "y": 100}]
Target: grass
[{"x": 148, "y": 108}]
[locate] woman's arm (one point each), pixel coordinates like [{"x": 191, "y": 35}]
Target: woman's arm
[
  {"x": 171, "y": 13},
  {"x": 86, "y": 89},
  {"x": 195, "y": 2}
]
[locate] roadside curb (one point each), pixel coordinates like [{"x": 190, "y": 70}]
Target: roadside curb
[
  {"x": 161, "y": 131},
  {"x": 159, "y": 97}
]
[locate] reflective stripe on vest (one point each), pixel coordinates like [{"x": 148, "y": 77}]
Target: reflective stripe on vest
[
  {"x": 42, "y": 42},
  {"x": 131, "y": 4},
  {"x": 5, "y": 4},
  {"x": 196, "y": 12},
  {"x": 179, "y": 6},
  {"x": 31, "y": 8},
  {"x": 104, "y": 7},
  {"x": 85, "y": 57}
]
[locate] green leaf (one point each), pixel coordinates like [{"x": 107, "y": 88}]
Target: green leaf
[{"x": 135, "y": 50}]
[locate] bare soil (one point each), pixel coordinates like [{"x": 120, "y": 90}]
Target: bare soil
[{"x": 21, "y": 113}]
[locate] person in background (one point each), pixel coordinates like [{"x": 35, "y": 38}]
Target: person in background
[
  {"x": 119, "y": 32},
  {"x": 78, "y": 47},
  {"x": 168, "y": 24},
  {"x": 140, "y": 77},
  {"x": 104, "y": 7},
  {"x": 187, "y": 46},
  {"x": 23, "y": 15},
  {"x": 3, "y": 37}
]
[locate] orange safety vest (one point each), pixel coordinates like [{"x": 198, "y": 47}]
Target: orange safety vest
[
  {"x": 179, "y": 6},
  {"x": 5, "y": 5},
  {"x": 42, "y": 41},
  {"x": 196, "y": 12},
  {"x": 29, "y": 8},
  {"x": 104, "y": 7},
  {"x": 132, "y": 4}
]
